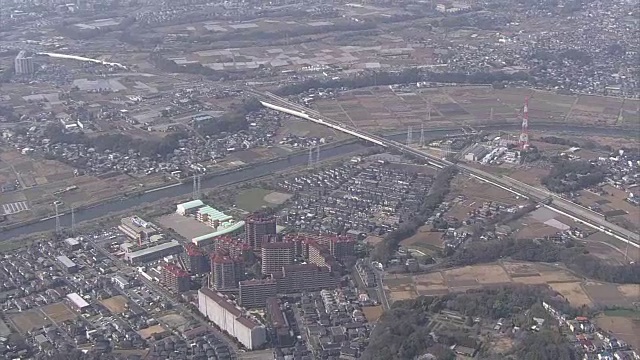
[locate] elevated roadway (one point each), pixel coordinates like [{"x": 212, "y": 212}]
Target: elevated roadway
[{"x": 559, "y": 205}]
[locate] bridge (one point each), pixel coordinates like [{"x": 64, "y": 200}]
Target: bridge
[{"x": 549, "y": 200}]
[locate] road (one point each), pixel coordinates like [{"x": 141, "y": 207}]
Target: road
[{"x": 560, "y": 205}]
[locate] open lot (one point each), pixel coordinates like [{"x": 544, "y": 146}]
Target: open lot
[
  {"x": 148, "y": 332},
  {"x": 372, "y": 313},
  {"x": 255, "y": 199},
  {"x": 188, "y": 227},
  {"x": 625, "y": 327},
  {"x": 613, "y": 206},
  {"x": 29, "y": 320},
  {"x": 58, "y": 312},
  {"x": 116, "y": 304}
]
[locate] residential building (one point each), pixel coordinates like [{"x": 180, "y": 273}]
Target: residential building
[
  {"x": 226, "y": 271},
  {"x": 24, "y": 64},
  {"x": 279, "y": 322},
  {"x": 77, "y": 302},
  {"x": 175, "y": 278},
  {"x": 276, "y": 255},
  {"x": 254, "y": 293},
  {"x": 215, "y": 307},
  {"x": 257, "y": 228},
  {"x": 320, "y": 255},
  {"x": 342, "y": 247}
]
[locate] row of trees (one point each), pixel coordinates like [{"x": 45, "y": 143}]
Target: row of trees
[
  {"x": 407, "y": 76},
  {"x": 440, "y": 188},
  {"x": 567, "y": 176},
  {"x": 403, "y": 331},
  {"x": 575, "y": 256}
]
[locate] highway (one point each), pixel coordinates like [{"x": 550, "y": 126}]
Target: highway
[{"x": 560, "y": 205}]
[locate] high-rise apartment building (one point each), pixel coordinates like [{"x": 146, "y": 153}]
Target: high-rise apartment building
[
  {"x": 276, "y": 255},
  {"x": 196, "y": 259},
  {"x": 254, "y": 293},
  {"x": 257, "y": 229},
  {"x": 226, "y": 271},
  {"x": 24, "y": 64}
]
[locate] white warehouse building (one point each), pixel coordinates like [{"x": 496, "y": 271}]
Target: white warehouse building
[{"x": 231, "y": 319}]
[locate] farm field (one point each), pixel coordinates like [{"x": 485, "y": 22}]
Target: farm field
[
  {"x": 387, "y": 109},
  {"x": 576, "y": 290}
]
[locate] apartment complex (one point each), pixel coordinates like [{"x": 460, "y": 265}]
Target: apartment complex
[
  {"x": 215, "y": 307},
  {"x": 305, "y": 277},
  {"x": 254, "y": 293},
  {"x": 226, "y": 271},
  {"x": 257, "y": 229},
  {"x": 175, "y": 278},
  {"x": 276, "y": 255}
]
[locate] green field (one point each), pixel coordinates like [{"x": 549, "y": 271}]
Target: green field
[{"x": 252, "y": 199}]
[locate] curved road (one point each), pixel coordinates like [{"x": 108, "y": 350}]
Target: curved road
[{"x": 262, "y": 169}]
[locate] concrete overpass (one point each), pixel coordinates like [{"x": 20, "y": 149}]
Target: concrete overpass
[{"x": 560, "y": 205}]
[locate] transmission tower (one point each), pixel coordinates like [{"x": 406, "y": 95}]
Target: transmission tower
[
  {"x": 73, "y": 221},
  {"x": 421, "y": 135},
  {"x": 310, "y": 156},
  {"x": 409, "y": 136},
  {"x": 58, "y": 228},
  {"x": 524, "y": 135},
  {"x": 194, "y": 193},
  {"x": 318, "y": 154},
  {"x": 199, "y": 189}
]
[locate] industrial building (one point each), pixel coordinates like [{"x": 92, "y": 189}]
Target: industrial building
[
  {"x": 257, "y": 228},
  {"x": 68, "y": 265},
  {"x": 175, "y": 278},
  {"x": 153, "y": 252},
  {"x": 476, "y": 153},
  {"x": 72, "y": 243},
  {"x": 276, "y": 255},
  {"x": 24, "y": 64},
  {"x": 254, "y": 293},
  {"x": 77, "y": 302},
  {"x": 226, "y": 271},
  {"x": 248, "y": 331},
  {"x": 138, "y": 229}
]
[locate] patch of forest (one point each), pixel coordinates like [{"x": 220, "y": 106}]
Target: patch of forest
[{"x": 403, "y": 331}]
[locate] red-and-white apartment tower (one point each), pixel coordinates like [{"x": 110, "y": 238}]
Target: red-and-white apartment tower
[{"x": 524, "y": 135}]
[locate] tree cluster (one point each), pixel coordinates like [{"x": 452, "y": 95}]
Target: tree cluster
[
  {"x": 439, "y": 189},
  {"x": 234, "y": 120},
  {"x": 568, "y": 176},
  {"x": 558, "y": 141},
  {"x": 402, "y": 332},
  {"x": 116, "y": 142},
  {"x": 575, "y": 256}
]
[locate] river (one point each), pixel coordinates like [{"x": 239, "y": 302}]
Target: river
[{"x": 263, "y": 169}]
